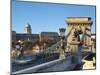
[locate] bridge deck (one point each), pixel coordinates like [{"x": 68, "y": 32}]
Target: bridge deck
[{"x": 41, "y": 58}]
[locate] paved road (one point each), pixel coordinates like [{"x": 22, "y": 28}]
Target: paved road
[{"x": 39, "y": 60}]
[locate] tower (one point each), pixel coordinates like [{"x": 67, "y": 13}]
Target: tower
[
  {"x": 62, "y": 48},
  {"x": 27, "y": 28},
  {"x": 81, "y": 25},
  {"x": 62, "y": 32},
  {"x": 79, "y": 29}
]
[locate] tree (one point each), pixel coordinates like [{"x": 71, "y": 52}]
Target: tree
[{"x": 27, "y": 45}]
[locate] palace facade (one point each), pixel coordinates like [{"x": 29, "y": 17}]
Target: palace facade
[{"x": 47, "y": 37}]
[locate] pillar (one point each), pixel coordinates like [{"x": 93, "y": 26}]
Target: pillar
[
  {"x": 75, "y": 23},
  {"x": 62, "y": 37}
]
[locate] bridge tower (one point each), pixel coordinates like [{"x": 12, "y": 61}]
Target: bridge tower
[
  {"x": 77, "y": 27},
  {"x": 62, "y": 37}
]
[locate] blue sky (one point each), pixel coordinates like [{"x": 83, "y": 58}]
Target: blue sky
[{"x": 46, "y": 16}]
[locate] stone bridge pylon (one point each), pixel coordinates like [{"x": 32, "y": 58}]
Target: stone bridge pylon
[{"x": 80, "y": 33}]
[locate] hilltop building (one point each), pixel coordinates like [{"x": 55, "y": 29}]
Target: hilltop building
[
  {"x": 27, "y": 29},
  {"x": 43, "y": 37}
]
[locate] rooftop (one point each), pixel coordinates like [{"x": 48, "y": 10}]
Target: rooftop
[
  {"x": 79, "y": 20},
  {"x": 49, "y": 33},
  {"x": 28, "y": 25}
]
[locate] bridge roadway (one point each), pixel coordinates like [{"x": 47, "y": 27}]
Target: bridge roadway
[
  {"x": 40, "y": 58},
  {"x": 51, "y": 66}
]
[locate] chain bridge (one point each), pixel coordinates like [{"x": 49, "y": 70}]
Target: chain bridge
[{"x": 70, "y": 48}]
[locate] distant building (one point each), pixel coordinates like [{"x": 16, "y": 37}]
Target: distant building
[
  {"x": 43, "y": 37},
  {"x": 26, "y": 36},
  {"x": 13, "y": 36},
  {"x": 49, "y": 36},
  {"x": 27, "y": 29}
]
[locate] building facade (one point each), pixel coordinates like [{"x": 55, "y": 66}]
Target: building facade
[
  {"x": 27, "y": 29},
  {"x": 43, "y": 37}
]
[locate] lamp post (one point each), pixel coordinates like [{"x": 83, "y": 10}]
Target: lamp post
[{"x": 62, "y": 37}]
